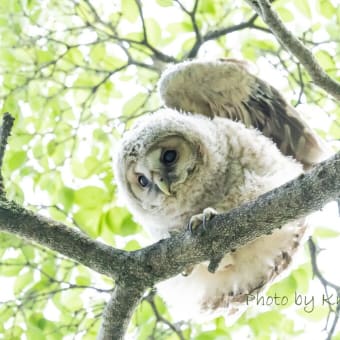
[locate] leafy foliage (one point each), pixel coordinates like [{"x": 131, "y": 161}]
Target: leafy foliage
[{"x": 75, "y": 73}]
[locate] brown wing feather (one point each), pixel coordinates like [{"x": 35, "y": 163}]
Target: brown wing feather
[
  {"x": 281, "y": 262},
  {"x": 226, "y": 88}
]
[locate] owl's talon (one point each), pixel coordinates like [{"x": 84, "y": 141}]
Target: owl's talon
[
  {"x": 201, "y": 219},
  {"x": 187, "y": 271},
  {"x": 204, "y": 223}
]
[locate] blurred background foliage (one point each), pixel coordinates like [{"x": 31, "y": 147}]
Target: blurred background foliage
[{"x": 74, "y": 74}]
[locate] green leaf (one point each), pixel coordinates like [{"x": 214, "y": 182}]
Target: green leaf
[
  {"x": 325, "y": 59},
  {"x": 143, "y": 314},
  {"x": 304, "y": 8},
  {"x": 49, "y": 267},
  {"x": 72, "y": 299},
  {"x": 129, "y": 10},
  {"x": 83, "y": 280},
  {"x": 283, "y": 292},
  {"x": 34, "y": 333},
  {"x": 207, "y": 7},
  {"x": 165, "y": 3},
  {"x": 28, "y": 251},
  {"x": 91, "y": 164},
  {"x": 23, "y": 281},
  {"x": 133, "y": 104},
  {"x": 87, "y": 80},
  {"x": 326, "y": 233},
  {"x": 188, "y": 44},
  {"x": 132, "y": 245},
  {"x": 74, "y": 55},
  {"x": 326, "y": 8},
  {"x": 91, "y": 197},
  {"x": 66, "y": 197},
  {"x": 335, "y": 130},
  {"x": 15, "y": 193},
  {"x": 16, "y": 159},
  {"x": 88, "y": 220},
  {"x": 120, "y": 221},
  {"x": 285, "y": 14},
  {"x": 317, "y": 313},
  {"x": 44, "y": 56},
  {"x": 213, "y": 335},
  {"x": 12, "y": 266},
  {"x": 154, "y": 31},
  {"x": 51, "y": 146}
]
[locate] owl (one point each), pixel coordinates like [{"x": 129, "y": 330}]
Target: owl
[{"x": 224, "y": 138}]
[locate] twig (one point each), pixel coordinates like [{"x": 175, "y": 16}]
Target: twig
[
  {"x": 313, "y": 250},
  {"x": 5, "y": 131},
  {"x": 316, "y": 271},
  {"x": 212, "y": 35},
  {"x": 296, "y": 47},
  {"x": 150, "y": 298}
]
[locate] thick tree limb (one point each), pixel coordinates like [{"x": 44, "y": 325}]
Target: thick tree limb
[
  {"x": 61, "y": 238},
  {"x": 119, "y": 310},
  {"x": 296, "y": 47},
  {"x": 135, "y": 271}
]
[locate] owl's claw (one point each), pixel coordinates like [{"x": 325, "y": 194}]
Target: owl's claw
[
  {"x": 187, "y": 271},
  {"x": 203, "y": 218}
]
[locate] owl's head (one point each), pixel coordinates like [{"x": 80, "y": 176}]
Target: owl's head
[{"x": 158, "y": 157}]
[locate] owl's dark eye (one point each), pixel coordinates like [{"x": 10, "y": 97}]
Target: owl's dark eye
[
  {"x": 143, "y": 181},
  {"x": 169, "y": 157}
]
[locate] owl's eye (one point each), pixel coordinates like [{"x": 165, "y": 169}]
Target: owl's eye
[
  {"x": 169, "y": 157},
  {"x": 143, "y": 181}
]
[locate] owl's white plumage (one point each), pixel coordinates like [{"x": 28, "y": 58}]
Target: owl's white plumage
[{"x": 218, "y": 163}]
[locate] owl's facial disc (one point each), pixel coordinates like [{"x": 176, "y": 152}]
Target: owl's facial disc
[{"x": 166, "y": 165}]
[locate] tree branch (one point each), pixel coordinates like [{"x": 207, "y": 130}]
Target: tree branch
[
  {"x": 61, "y": 238},
  {"x": 305, "y": 194},
  {"x": 313, "y": 251},
  {"x": 137, "y": 270},
  {"x": 118, "y": 311},
  {"x": 296, "y": 47},
  {"x": 212, "y": 35},
  {"x": 5, "y": 131}
]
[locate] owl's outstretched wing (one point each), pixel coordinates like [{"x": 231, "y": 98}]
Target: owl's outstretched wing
[{"x": 225, "y": 88}]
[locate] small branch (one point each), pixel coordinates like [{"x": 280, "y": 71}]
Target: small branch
[
  {"x": 5, "y": 132},
  {"x": 141, "y": 16},
  {"x": 315, "y": 267},
  {"x": 212, "y": 35},
  {"x": 61, "y": 238},
  {"x": 313, "y": 251},
  {"x": 296, "y": 47},
  {"x": 150, "y": 298},
  {"x": 223, "y": 31},
  {"x": 301, "y": 84},
  {"x": 118, "y": 311}
]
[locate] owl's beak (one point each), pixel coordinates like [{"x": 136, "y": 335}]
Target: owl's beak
[{"x": 163, "y": 183}]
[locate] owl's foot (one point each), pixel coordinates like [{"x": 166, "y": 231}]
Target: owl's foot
[
  {"x": 187, "y": 271},
  {"x": 203, "y": 218}
]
